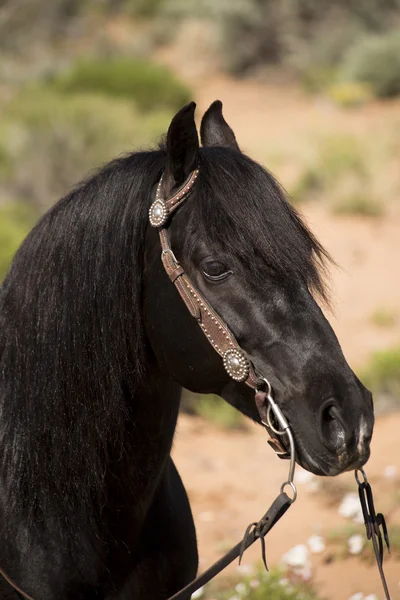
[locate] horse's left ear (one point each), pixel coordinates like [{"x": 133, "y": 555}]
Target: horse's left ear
[
  {"x": 215, "y": 131},
  {"x": 182, "y": 148}
]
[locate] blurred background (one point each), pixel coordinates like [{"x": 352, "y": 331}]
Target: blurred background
[{"x": 312, "y": 91}]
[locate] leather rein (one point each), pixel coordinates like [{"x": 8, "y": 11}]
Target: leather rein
[{"x": 240, "y": 369}]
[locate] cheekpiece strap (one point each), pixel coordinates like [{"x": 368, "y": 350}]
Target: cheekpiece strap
[{"x": 235, "y": 359}]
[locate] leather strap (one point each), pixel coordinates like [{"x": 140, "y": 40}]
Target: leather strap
[
  {"x": 254, "y": 532},
  {"x": 214, "y": 328},
  {"x": 373, "y": 523}
]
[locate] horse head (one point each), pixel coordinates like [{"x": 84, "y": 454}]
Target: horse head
[{"x": 252, "y": 257}]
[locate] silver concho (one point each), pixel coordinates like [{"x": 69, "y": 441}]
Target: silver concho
[
  {"x": 236, "y": 364},
  {"x": 158, "y": 213}
]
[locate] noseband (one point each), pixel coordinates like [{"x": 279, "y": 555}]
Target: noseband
[{"x": 235, "y": 360}]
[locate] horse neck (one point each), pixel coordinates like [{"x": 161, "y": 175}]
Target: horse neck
[{"x": 150, "y": 432}]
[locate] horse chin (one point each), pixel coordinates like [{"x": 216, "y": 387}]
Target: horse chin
[{"x": 332, "y": 466}]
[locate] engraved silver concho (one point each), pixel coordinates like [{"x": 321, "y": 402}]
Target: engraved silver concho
[
  {"x": 158, "y": 213},
  {"x": 236, "y": 364}
]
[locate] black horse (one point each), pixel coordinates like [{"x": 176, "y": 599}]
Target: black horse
[{"x": 96, "y": 344}]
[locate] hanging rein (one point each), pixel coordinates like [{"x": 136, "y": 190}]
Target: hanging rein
[{"x": 239, "y": 368}]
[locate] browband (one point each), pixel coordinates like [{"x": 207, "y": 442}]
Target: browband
[{"x": 235, "y": 360}]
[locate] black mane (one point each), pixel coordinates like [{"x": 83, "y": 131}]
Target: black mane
[
  {"x": 71, "y": 339},
  {"x": 70, "y": 314}
]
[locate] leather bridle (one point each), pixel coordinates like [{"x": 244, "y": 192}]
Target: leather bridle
[
  {"x": 235, "y": 360},
  {"x": 239, "y": 368}
]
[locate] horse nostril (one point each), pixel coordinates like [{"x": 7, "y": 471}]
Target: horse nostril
[{"x": 332, "y": 428}]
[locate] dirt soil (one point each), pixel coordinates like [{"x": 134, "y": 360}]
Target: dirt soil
[{"x": 231, "y": 477}]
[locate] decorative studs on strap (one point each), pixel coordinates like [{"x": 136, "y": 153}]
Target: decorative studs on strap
[
  {"x": 161, "y": 209},
  {"x": 236, "y": 364},
  {"x": 158, "y": 213}
]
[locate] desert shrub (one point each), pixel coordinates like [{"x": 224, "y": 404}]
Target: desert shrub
[
  {"x": 381, "y": 375},
  {"x": 53, "y": 140},
  {"x": 274, "y": 585},
  {"x": 383, "y": 317},
  {"x": 317, "y": 78},
  {"x": 16, "y": 220},
  {"x": 361, "y": 203},
  {"x": 375, "y": 61},
  {"x": 349, "y": 94},
  {"x": 148, "y": 85},
  {"x": 140, "y": 8},
  {"x": 335, "y": 158},
  {"x": 300, "y": 34},
  {"x": 212, "y": 408},
  {"x": 309, "y": 183},
  {"x": 341, "y": 154}
]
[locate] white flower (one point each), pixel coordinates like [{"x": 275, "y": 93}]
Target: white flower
[
  {"x": 371, "y": 597},
  {"x": 356, "y": 543},
  {"x": 198, "y": 593},
  {"x": 350, "y": 506},
  {"x": 390, "y": 472},
  {"x": 314, "y": 485},
  {"x": 306, "y": 572},
  {"x": 297, "y": 556},
  {"x": 241, "y": 589},
  {"x": 302, "y": 476},
  {"x": 359, "y": 518},
  {"x": 245, "y": 569},
  {"x": 307, "y": 479},
  {"x": 254, "y": 583},
  {"x": 316, "y": 544},
  {"x": 235, "y": 598},
  {"x": 358, "y": 596}
]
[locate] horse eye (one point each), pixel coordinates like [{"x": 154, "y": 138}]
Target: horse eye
[{"x": 215, "y": 270}]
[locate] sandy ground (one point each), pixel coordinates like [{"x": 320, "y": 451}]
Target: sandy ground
[{"x": 232, "y": 477}]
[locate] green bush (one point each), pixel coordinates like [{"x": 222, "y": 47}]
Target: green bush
[
  {"x": 300, "y": 34},
  {"x": 361, "y": 203},
  {"x": 349, "y": 94},
  {"x": 383, "y": 317},
  {"x": 375, "y": 61},
  {"x": 141, "y": 8},
  {"x": 16, "y": 220},
  {"x": 148, "y": 85},
  {"x": 336, "y": 158},
  {"x": 212, "y": 408},
  {"x": 53, "y": 140},
  {"x": 261, "y": 586},
  {"x": 382, "y": 374}
]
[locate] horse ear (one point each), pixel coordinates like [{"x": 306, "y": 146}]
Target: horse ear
[
  {"x": 215, "y": 131},
  {"x": 182, "y": 148}
]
